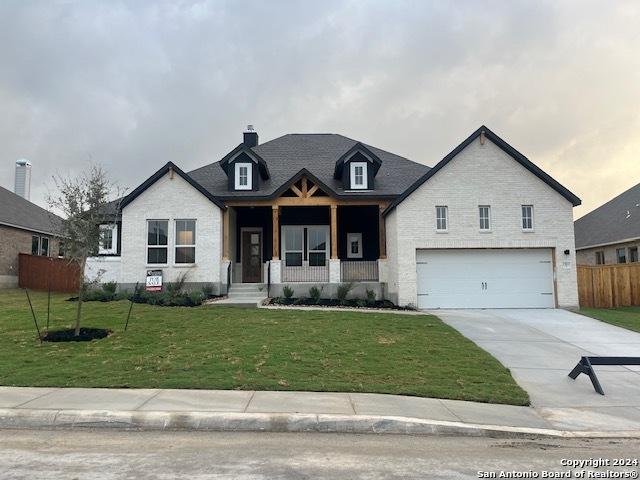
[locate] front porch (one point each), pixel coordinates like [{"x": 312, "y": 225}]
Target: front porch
[{"x": 304, "y": 236}]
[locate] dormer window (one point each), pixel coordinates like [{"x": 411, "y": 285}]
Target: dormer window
[
  {"x": 358, "y": 175},
  {"x": 243, "y": 176}
]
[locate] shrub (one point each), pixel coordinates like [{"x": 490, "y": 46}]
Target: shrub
[
  {"x": 300, "y": 301},
  {"x": 314, "y": 294},
  {"x": 371, "y": 297},
  {"x": 207, "y": 290},
  {"x": 343, "y": 291},
  {"x": 361, "y": 302},
  {"x": 287, "y": 291},
  {"x": 196, "y": 298},
  {"x": 110, "y": 288}
]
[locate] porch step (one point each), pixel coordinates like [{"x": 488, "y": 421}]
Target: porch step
[
  {"x": 247, "y": 294},
  {"x": 247, "y": 287}
]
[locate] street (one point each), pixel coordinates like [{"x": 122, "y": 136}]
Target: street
[{"x": 108, "y": 454}]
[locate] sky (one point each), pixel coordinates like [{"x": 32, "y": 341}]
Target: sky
[{"x": 132, "y": 85}]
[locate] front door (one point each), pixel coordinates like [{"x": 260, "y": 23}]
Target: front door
[{"x": 252, "y": 256}]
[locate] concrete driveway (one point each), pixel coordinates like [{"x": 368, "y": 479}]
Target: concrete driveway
[{"x": 540, "y": 347}]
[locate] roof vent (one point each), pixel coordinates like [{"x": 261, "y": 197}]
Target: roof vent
[{"x": 250, "y": 137}]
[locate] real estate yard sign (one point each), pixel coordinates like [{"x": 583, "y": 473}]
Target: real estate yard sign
[{"x": 154, "y": 281}]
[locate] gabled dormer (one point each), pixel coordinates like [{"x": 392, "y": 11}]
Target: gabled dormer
[
  {"x": 357, "y": 168},
  {"x": 244, "y": 167}
]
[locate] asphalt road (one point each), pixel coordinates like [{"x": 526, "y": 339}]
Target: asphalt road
[{"x": 107, "y": 454}]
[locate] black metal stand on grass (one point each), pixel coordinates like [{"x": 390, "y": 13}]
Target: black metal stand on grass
[
  {"x": 33, "y": 314},
  {"x": 585, "y": 365},
  {"x": 133, "y": 298}
]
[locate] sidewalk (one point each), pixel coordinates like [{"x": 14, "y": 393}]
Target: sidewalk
[{"x": 233, "y": 410}]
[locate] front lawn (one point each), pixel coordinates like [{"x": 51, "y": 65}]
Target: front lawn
[
  {"x": 625, "y": 317},
  {"x": 229, "y": 348}
]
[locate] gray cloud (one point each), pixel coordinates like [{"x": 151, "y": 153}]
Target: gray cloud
[{"x": 132, "y": 85}]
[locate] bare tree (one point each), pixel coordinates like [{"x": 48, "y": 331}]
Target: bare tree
[{"x": 82, "y": 201}]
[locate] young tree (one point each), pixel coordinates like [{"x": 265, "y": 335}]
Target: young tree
[{"x": 82, "y": 201}]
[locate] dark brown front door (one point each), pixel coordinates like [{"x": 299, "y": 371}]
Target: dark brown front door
[{"x": 252, "y": 256}]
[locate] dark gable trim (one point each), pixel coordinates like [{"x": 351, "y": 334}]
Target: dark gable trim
[
  {"x": 505, "y": 147},
  {"x": 230, "y": 157},
  {"x": 358, "y": 147},
  {"x": 169, "y": 166}
]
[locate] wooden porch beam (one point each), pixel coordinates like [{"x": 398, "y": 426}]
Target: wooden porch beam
[
  {"x": 303, "y": 202},
  {"x": 275, "y": 211},
  {"x": 312, "y": 190},
  {"x": 297, "y": 191},
  {"x": 334, "y": 232},
  {"x": 304, "y": 187}
]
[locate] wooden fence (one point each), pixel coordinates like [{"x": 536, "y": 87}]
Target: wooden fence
[
  {"x": 608, "y": 286},
  {"x": 42, "y": 273}
]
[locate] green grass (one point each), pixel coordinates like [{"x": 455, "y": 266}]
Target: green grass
[
  {"x": 230, "y": 348},
  {"x": 625, "y": 317}
]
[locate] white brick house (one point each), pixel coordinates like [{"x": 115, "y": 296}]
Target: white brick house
[{"x": 484, "y": 228}]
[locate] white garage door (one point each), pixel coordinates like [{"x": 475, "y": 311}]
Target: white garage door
[{"x": 496, "y": 278}]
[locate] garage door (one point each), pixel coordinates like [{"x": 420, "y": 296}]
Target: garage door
[{"x": 496, "y": 278}]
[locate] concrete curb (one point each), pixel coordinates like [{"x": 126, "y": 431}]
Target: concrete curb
[{"x": 274, "y": 422}]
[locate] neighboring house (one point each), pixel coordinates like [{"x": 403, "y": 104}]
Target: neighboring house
[
  {"x": 610, "y": 233},
  {"x": 484, "y": 228},
  {"x": 24, "y": 228}
]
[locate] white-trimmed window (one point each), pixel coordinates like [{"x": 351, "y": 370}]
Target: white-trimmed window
[
  {"x": 317, "y": 245},
  {"x": 358, "y": 171},
  {"x": 621, "y": 255},
  {"x": 484, "y": 212},
  {"x": 354, "y": 245},
  {"x": 243, "y": 176},
  {"x": 314, "y": 252},
  {"x": 35, "y": 245},
  {"x": 527, "y": 217},
  {"x": 44, "y": 246},
  {"x": 185, "y": 241},
  {"x": 157, "y": 241},
  {"x": 108, "y": 239},
  {"x": 600, "y": 257},
  {"x": 633, "y": 254},
  {"x": 293, "y": 246},
  {"x": 442, "y": 218}
]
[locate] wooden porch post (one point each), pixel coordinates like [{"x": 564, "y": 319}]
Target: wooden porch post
[
  {"x": 225, "y": 235},
  {"x": 382, "y": 234},
  {"x": 334, "y": 232},
  {"x": 275, "y": 211}
]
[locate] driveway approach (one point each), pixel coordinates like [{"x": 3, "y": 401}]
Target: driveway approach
[{"x": 540, "y": 347}]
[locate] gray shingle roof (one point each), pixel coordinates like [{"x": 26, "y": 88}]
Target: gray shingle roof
[
  {"x": 18, "y": 212},
  {"x": 317, "y": 153},
  {"x": 616, "y": 220}
]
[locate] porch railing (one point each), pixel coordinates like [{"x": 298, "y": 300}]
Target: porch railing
[
  {"x": 306, "y": 273},
  {"x": 359, "y": 271}
]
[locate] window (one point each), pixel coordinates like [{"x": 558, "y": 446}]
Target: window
[
  {"x": 293, "y": 246},
  {"x": 527, "y": 217},
  {"x": 305, "y": 244},
  {"x": 358, "y": 172},
  {"x": 108, "y": 239},
  {"x": 35, "y": 245},
  {"x": 243, "y": 176},
  {"x": 600, "y": 258},
  {"x": 60, "y": 248},
  {"x": 317, "y": 246},
  {"x": 157, "y": 241},
  {"x": 185, "y": 241},
  {"x": 442, "y": 218},
  {"x": 621, "y": 255},
  {"x": 44, "y": 246},
  {"x": 485, "y": 217},
  {"x": 354, "y": 245},
  {"x": 633, "y": 254}
]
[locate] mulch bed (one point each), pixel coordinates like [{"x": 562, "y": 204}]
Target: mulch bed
[
  {"x": 332, "y": 302},
  {"x": 86, "y": 335}
]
